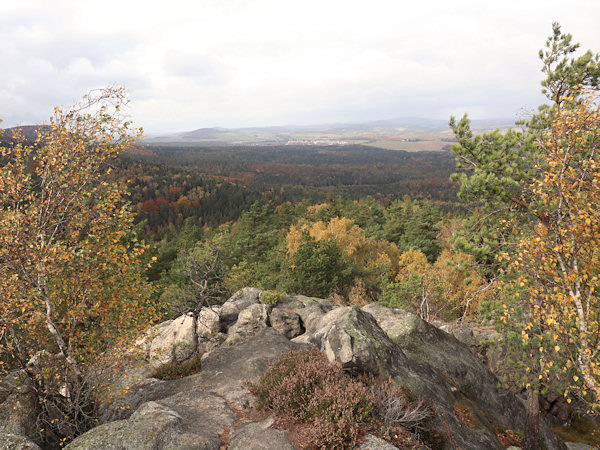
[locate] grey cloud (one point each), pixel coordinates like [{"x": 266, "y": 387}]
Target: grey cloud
[{"x": 200, "y": 68}]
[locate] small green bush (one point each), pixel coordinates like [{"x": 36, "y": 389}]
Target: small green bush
[
  {"x": 305, "y": 387},
  {"x": 271, "y": 298},
  {"x": 173, "y": 371}
]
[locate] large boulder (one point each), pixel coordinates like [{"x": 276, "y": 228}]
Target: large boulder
[
  {"x": 310, "y": 310},
  {"x": 164, "y": 425},
  {"x": 286, "y": 322},
  {"x": 10, "y": 441},
  {"x": 18, "y": 407},
  {"x": 371, "y": 442},
  {"x": 458, "y": 378},
  {"x": 258, "y": 436},
  {"x": 353, "y": 338},
  {"x": 174, "y": 342},
  {"x": 249, "y": 322},
  {"x": 209, "y": 321},
  {"x": 239, "y": 301}
]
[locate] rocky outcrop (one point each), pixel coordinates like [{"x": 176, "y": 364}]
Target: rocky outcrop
[
  {"x": 239, "y": 301},
  {"x": 286, "y": 322},
  {"x": 258, "y": 436},
  {"x": 195, "y": 412},
  {"x": 250, "y": 321},
  {"x": 243, "y": 336},
  {"x": 18, "y": 408},
  {"x": 447, "y": 367},
  {"x": 173, "y": 342},
  {"x": 353, "y": 338},
  {"x": 11, "y": 441}
]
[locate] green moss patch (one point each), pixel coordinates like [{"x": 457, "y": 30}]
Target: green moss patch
[{"x": 582, "y": 429}]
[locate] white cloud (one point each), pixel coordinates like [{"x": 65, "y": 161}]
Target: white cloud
[{"x": 200, "y": 63}]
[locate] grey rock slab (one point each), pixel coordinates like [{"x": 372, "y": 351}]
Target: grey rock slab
[
  {"x": 9, "y": 441},
  {"x": 249, "y": 321},
  {"x": 156, "y": 426},
  {"x": 227, "y": 370},
  {"x": 286, "y": 322},
  {"x": 578, "y": 446},
  {"x": 235, "y": 304},
  {"x": 258, "y": 436},
  {"x": 371, "y": 442}
]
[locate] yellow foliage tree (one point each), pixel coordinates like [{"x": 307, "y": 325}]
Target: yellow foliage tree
[
  {"x": 412, "y": 261},
  {"x": 369, "y": 257},
  {"x": 357, "y": 248},
  {"x": 70, "y": 283},
  {"x": 447, "y": 288},
  {"x": 560, "y": 262}
]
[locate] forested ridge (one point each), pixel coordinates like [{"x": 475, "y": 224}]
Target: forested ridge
[
  {"x": 104, "y": 236},
  {"x": 215, "y": 184}
]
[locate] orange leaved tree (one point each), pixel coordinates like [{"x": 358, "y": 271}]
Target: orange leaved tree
[{"x": 71, "y": 288}]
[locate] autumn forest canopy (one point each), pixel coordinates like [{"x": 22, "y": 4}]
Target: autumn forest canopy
[{"x": 104, "y": 235}]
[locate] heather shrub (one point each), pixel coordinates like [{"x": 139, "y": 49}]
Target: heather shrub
[{"x": 305, "y": 387}]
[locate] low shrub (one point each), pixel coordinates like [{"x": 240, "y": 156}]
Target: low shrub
[
  {"x": 581, "y": 429},
  {"x": 173, "y": 371},
  {"x": 271, "y": 298},
  {"x": 394, "y": 407},
  {"x": 305, "y": 387}
]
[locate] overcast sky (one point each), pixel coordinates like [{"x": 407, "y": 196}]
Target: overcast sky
[{"x": 232, "y": 63}]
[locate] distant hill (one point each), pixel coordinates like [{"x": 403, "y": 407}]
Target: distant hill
[
  {"x": 28, "y": 132},
  {"x": 407, "y": 133}
]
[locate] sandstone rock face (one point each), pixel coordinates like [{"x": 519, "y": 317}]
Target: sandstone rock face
[
  {"x": 237, "y": 303},
  {"x": 310, "y": 310},
  {"x": 286, "y": 322},
  {"x": 258, "y": 436},
  {"x": 210, "y": 342},
  {"x": 18, "y": 408},
  {"x": 461, "y": 377},
  {"x": 209, "y": 321},
  {"x": 353, "y": 338},
  {"x": 15, "y": 442},
  {"x": 174, "y": 342},
  {"x": 250, "y": 321}
]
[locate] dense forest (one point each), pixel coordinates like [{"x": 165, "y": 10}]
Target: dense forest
[{"x": 215, "y": 184}]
